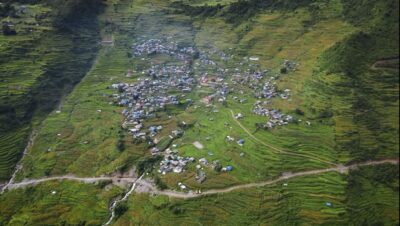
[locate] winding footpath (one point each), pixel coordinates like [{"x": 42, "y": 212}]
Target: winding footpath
[
  {"x": 33, "y": 182},
  {"x": 285, "y": 176},
  {"x": 19, "y": 165},
  {"x": 277, "y": 149},
  {"x": 147, "y": 187}
]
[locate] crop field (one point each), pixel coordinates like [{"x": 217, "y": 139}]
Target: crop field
[
  {"x": 344, "y": 111},
  {"x": 300, "y": 201},
  {"x": 57, "y": 202},
  {"x": 39, "y": 65}
]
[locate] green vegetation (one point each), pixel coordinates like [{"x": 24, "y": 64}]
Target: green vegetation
[
  {"x": 40, "y": 65},
  {"x": 54, "y": 203},
  {"x": 366, "y": 122},
  {"x": 299, "y": 201},
  {"x": 372, "y": 196},
  {"x": 346, "y": 110}
]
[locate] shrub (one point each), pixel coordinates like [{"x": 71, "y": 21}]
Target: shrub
[
  {"x": 147, "y": 163},
  {"x": 121, "y": 145},
  {"x": 120, "y": 209}
]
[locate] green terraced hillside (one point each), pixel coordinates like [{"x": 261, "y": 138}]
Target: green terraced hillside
[
  {"x": 51, "y": 51},
  {"x": 277, "y": 112}
]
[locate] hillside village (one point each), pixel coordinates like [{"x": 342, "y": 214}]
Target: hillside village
[
  {"x": 163, "y": 85},
  {"x": 199, "y": 112}
]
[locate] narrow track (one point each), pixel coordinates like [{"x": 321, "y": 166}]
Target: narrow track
[
  {"x": 150, "y": 188},
  {"x": 286, "y": 176},
  {"x": 277, "y": 149},
  {"x": 19, "y": 165}
]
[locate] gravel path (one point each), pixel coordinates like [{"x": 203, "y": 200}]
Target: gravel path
[{"x": 143, "y": 186}]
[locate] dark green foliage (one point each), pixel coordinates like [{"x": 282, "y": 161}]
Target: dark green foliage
[
  {"x": 361, "y": 12},
  {"x": 366, "y": 191},
  {"x": 121, "y": 145},
  {"x": 196, "y": 10},
  {"x": 367, "y": 90},
  {"x": 121, "y": 208},
  {"x": 146, "y": 164},
  {"x": 325, "y": 114},
  {"x": 8, "y": 30},
  {"x": 299, "y": 111},
  {"x": 76, "y": 13},
  {"x": 217, "y": 167},
  {"x": 176, "y": 209},
  {"x": 243, "y": 9},
  {"x": 240, "y": 10},
  {"x": 63, "y": 70},
  {"x": 159, "y": 183},
  {"x": 6, "y": 10}
]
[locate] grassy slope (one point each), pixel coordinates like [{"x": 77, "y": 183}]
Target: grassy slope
[
  {"x": 73, "y": 204},
  {"x": 301, "y": 202},
  {"x": 38, "y": 67},
  {"x": 367, "y": 122},
  {"x": 374, "y": 201}
]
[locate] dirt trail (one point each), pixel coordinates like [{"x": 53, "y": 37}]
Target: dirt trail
[
  {"x": 340, "y": 169},
  {"x": 388, "y": 63},
  {"x": 143, "y": 186},
  {"x": 32, "y": 182},
  {"x": 277, "y": 149},
  {"x": 19, "y": 165}
]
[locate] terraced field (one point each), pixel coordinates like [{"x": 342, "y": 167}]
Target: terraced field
[
  {"x": 344, "y": 111},
  {"x": 39, "y": 66}
]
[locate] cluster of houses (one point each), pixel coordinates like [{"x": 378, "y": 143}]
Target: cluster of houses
[
  {"x": 150, "y": 94},
  {"x": 158, "y": 46},
  {"x": 268, "y": 90},
  {"x": 172, "y": 162},
  {"x": 290, "y": 65},
  {"x": 165, "y": 85},
  {"x": 275, "y": 117}
]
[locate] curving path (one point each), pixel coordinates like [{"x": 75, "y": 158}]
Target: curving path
[
  {"x": 33, "y": 182},
  {"x": 285, "y": 176},
  {"x": 275, "y": 148},
  {"x": 147, "y": 187},
  {"x": 19, "y": 165}
]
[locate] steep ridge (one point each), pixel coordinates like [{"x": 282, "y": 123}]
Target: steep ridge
[{"x": 41, "y": 64}]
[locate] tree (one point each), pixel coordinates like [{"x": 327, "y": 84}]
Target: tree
[
  {"x": 121, "y": 208},
  {"x": 121, "y": 145}
]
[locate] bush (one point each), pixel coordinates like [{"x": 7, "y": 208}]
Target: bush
[
  {"x": 176, "y": 209},
  {"x": 146, "y": 164},
  {"x": 160, "y": 185},
  {"x": 121, "y": 145},
  {"x": 120, "y": 209},
  {"x": 325, "y": 114},
  {"x": 299, "y": 111}
]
